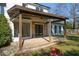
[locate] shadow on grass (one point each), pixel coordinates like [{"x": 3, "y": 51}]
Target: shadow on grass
[
  {"x": 74, "y": 38},
  {"x": 72, "y": 53}
]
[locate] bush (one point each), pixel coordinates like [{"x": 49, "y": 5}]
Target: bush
[{"x": 5, "y": 32}]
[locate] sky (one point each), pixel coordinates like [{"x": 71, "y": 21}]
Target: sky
[
  {"x": 64, "y": 12},
  {"x": 51, "y": 5}
]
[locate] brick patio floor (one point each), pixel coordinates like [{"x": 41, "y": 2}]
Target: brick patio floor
[{"x": 34, "y": 43}]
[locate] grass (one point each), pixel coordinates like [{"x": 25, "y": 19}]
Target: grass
[{"x": 69, "y": 48}]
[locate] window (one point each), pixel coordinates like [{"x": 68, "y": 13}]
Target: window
[
  {"x": 55, "y": 29},
  {"x": 16, "y": 29},
  {"x": 37, "y": 8},
  {"x": 1, "y": 10},
  {"x": 38, "y": 30},
  {"x": 26, "y": 30},
  {"x": 60, "y": 29},
  {"x": 41, "y": 9}
]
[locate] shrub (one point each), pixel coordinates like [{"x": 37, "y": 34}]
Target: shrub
[{"x": 5, "y": 32}]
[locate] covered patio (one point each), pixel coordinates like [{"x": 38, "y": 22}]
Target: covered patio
[{"x": 30, "y": 23}]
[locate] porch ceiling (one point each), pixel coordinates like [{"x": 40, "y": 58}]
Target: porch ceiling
[{"x": 22, "y": 9}]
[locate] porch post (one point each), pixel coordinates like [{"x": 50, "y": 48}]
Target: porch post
[
  {"x": 43, "y": 30},
  {"x": 65, "y": 28},
  {"x": 20, "y": 31},
  {"x": 49, "y": 29},
  {"x": 31, "y": 29}
]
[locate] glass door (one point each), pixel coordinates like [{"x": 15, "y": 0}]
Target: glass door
[{"x": 38, "y": 30}]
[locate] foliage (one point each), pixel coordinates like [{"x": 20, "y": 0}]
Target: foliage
[
  {"x": 73, "y": 37},
  {"x": 69, "y": 25},
  {"x": 69, "y": 10},
  {"x": 5, "y": 32}
]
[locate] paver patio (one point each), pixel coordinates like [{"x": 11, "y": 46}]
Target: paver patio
[{"x": 29, "y": 44}]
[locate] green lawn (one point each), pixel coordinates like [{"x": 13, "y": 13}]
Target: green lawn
[{"x": 69, "y": 48}]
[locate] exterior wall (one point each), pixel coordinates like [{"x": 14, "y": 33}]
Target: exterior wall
[
  {"x": 45, "y": 29},
  {"x": 44, "y": 10},
  {"x": 31, "y": 6},
  {"x": 34, "y": 7}
]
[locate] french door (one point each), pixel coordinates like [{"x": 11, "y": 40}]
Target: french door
[{"x": 38, "y": 30}]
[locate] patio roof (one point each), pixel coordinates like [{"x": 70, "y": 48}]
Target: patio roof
[{"x": 24, "y": 9}]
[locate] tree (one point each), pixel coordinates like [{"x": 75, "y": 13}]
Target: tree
[
  {"x": 69, "y": 25},
  {"x": 70, "y": 10},
  {"x": 74, "y": 13},
  {"x": 5, "y": 32}
]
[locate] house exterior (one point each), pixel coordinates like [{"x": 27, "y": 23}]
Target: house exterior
[{"x": 30, "y": 20}]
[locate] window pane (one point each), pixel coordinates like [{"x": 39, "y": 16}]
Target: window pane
[
  {"x": 55, "y": 29},
  {"x": 41, "y": 9},
  {"x": 38, "y": 30},
  {"x": 60, "y": 29},
  {"x": 26, "y": 30},
  {"x": 16, "y": 29},
  {"x": 37, "y": 8}
]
